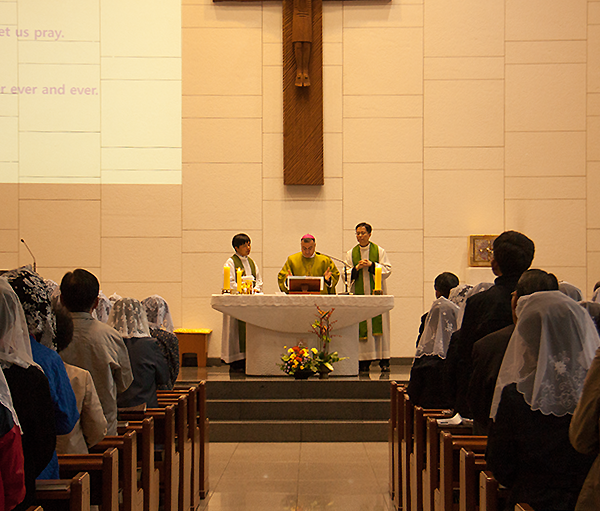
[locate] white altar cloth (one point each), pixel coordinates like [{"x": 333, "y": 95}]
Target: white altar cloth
[{"x": 275, "y": 321}]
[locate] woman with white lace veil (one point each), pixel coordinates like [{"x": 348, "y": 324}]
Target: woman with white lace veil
[
  {"x": 161, "y": 328},
  {"x": 29, "y": 390},
  {"x": 102, "y": 310},
  {"x": 148, "y": 364},
  {"x": 537, "y": 390},
  {"x": 425, "y": 387}
]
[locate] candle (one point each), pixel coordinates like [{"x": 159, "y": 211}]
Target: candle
[
  {"x": 239, "y": 280},
  {"x": 226, "y": 277},
  {"x": 377, "y": 278}
]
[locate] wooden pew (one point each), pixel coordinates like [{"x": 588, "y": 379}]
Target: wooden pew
[
  {"x": 184, "y": 445},
  {"x": 53, "y": 494},
  {"x": 406, "y": 446},
  {"x": 431, "y": 471},
  {"x": 165, "y": 438},
  {"x": 419, "y": 453},
  {"x": 523, "y": 507},
  {"x": 198, "y": 432},
  {"x": 450, "y": 446},
  {"x": 35, "y": 508},
  {"x": 392, "y": 437},
  {"x": 150, "y": 477},
  {"x": 104, "y": 475},
  {"x": 133, "y": 498},
  {"x": 492, "y": 496},
  {"x": 471, "y": 464}
]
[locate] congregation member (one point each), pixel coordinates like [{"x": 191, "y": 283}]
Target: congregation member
[
  {"x": 487, "y": 312},
  {"x": 374, "y": 334},
  {"x": 91, "y": 426},
  {"x": 538, "y": 388},
  {"x": 593, "y": 309},
  {"x": 12, "y": 464},
  {"x": 444, "y": 284},
  {"x": 102, "y": 310},
  {"x": 96, "y": 347},
  {"x": 29, "y": 391},
  {"x": 585, "y": 435},
  {"x": 148, "y": 364},
  {"x": 161, "y": 328},
  {"x": 488, "y": 352},
  {"x": 310, "y": 263},
  {"x": 34, "y": 296},
  {"x": 570, "y": 290},
  {"x": 426, "y": 387},
  {"x": 233, "y": 335}
]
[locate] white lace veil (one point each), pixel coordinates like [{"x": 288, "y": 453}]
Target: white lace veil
[
  {"x": 102, "y": 310},
  {"x": 459, "y": 294},
  {"x": 477, "y": 288},
  {"x": 570, "y": 290},
  {"x": 549, "y": 353},
  {"x": 158, "y": 313},
  {"x": 128, "y": 317},
  {"x": 15, "y": 347},
  {"x": 439, "y": 325}
]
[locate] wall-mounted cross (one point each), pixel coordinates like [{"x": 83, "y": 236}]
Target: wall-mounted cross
[{"x": 302, "y": 95}]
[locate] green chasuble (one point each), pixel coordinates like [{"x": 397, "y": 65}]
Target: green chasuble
[
  {"x": 237, "y": 262},
  {"x": 359, "y": 289},
  {"x": 316, "y": 266}
]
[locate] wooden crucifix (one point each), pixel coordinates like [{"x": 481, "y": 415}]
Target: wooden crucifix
[{"x": 302, "y": 92}]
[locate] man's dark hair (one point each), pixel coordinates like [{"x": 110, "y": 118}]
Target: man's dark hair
[
  {"x": 64, "y": 329},
  {"x": 79, "y": 290},
  {"x": 365, "y": 225},
  {"x": 444, "y": 283},
  {"x": 239, "y": 240},
  {"x": 536, "y": 280},
  {"x": 513, "y": 252}
]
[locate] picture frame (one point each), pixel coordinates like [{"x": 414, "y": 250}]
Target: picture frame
[{"x": 481, "y": 249}]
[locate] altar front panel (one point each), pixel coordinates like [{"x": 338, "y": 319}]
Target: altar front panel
[{"x": 275, "y": 321}]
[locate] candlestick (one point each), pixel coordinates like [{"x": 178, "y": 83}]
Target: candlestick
[
  {"x": 239, "y": 280},
  {"x": 226, "y": 277},
  {"x": 377, "y": 278}
]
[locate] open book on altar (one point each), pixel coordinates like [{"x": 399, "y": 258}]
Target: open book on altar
[{"x": 305, "y": 285}]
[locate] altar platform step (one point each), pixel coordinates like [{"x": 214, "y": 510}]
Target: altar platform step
[{"x": 287, "y": 410}]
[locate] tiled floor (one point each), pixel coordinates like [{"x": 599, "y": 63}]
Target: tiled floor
[{"x": 298, "y": 477}]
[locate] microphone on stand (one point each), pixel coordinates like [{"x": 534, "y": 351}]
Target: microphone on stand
[
  {"x": 31, "y": 253},
  {"x": 346, "y": 266}
]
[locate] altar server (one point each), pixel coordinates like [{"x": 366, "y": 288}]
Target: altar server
[
  {"x": 308, "y": 262},
  {"x": 233, "y": 337},
  {"x": 374, "y": 335}
]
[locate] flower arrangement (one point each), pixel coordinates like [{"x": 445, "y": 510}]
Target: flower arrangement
[
  {"x": 297, "y": 358},
  {"x": 322, "y": 328},
  {"x": 301, "y": 359}
]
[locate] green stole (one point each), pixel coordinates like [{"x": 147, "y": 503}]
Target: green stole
[
  {"x": 237, "y": 262},
  {"x": 359, "y": 289}
]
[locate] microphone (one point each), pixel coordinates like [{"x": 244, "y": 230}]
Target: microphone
[
  {"x": 336, "y": 259},
  {"x": 30, "y": 252},
  {"x": 346, "y": 266}
]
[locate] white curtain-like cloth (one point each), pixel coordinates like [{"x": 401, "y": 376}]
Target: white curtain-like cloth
[
  {"x": 157, "y": 312},
  {"x": 128, "y": 317},
  {"x": 570, "y": 290},
  {"x": 549, "y": 353},
  {"x": 439, "y": 325}
]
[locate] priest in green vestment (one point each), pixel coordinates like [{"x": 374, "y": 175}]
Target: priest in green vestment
[
  {"x": 374, "y": 334},
  {"x": 308, "y": 262}
]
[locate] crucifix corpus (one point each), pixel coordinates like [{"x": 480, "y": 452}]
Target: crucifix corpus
[{"x": 302, "y": 92}]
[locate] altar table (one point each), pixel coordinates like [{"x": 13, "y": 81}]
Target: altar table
[{"x": 275, "y": 321}]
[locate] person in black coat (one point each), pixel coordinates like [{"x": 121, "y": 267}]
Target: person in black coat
[
  {"x": 490, "y": 310},
  {"x": 488, "y": 352}
]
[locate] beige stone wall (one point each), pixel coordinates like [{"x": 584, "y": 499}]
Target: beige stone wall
[{"x": 442, "y": 119}]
